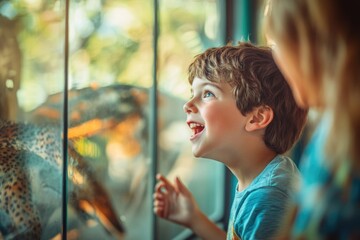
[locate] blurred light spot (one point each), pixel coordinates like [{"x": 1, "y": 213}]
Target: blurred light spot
[
  {"x": 210, "y": 27},
  {"x": 9, "y": 84},
  {"x": 120, "y": 17}
]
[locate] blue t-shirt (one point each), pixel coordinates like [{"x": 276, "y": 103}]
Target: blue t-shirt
[
  {"x": 258, "y": 210},
  {"x": 328, "y": 204}
]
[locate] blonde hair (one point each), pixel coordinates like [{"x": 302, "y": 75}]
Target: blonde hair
[{"x": 325, "y": 36}]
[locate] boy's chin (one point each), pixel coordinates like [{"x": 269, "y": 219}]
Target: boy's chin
[
  {"x": 197, "y": 155},
  {"x": 196, "y": 152}
]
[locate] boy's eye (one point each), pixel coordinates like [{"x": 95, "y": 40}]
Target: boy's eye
[{"x": 208, "y": 94}]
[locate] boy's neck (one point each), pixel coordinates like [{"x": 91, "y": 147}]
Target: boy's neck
[{"x": 248, "y": 170}]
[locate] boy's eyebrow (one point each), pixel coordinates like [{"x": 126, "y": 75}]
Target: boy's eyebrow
[{"x": 212, "y": 84}]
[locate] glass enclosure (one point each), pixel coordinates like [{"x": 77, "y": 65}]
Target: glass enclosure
[
  {"x": 31, "y": 69},
  {"x": 78, "y": 96}
]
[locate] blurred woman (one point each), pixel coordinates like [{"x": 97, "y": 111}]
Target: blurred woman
[{"x": 317, "y": 47}]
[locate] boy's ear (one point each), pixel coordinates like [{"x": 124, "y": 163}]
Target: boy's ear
[{"x": 259, "y": 118}]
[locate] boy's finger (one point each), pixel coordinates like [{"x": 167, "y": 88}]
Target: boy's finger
[
  {"x": 158, "y": 186},
  {"x": 159, "y": 204},
  {"x": 160, "y": 209},
  {"x": 181, "y": 187},
  {"x": 165, "y": 210},
  {"x": 162, "y": 188},
  {"x": 158, "y": 212},
  {"x": 168, "y": 184},
  {"x": 158, "y": 196}
]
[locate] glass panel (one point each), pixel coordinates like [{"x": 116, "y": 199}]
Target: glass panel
[
  {"x": 111, "y": 58},
  {"x": 187, "y": 27},
  {"x": 31, "y": 69}
]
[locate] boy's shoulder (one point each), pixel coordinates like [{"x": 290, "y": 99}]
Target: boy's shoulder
[{"x": 281, "y": 173}]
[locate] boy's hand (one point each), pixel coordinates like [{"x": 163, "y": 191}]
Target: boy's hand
[{"x": 174, "y": 202}]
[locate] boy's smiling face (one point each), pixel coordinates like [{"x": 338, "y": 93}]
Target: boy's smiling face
[{"x": 216, "y": 123}]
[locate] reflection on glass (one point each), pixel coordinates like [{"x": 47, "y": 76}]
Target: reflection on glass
[{"x": 31, "y": 68}]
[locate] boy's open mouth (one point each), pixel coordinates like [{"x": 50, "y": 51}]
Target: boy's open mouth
[{"x": 196, "y": 128}]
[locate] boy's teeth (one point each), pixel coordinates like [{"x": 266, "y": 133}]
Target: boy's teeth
[{"x": 194, "y": 125}]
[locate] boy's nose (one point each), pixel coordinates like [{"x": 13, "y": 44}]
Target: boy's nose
[{"x": 189, "y": 107}]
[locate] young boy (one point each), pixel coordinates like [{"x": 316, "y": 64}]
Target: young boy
[{"x": 243, "y": 114}]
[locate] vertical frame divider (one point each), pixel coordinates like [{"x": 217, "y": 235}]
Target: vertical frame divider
[
  {"x": 65, "y": 127},
  {"x": 154, "y": 116}
]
